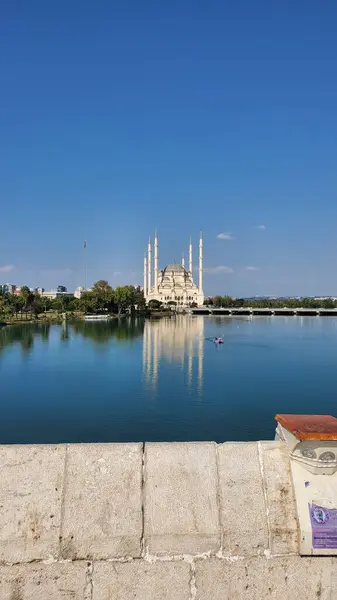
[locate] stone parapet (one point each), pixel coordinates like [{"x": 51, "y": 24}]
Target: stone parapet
[{"x": 155, "y": 521}]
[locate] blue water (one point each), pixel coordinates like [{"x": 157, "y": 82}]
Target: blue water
[{"x": 164, "y": 380}]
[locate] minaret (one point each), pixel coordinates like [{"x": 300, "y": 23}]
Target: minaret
[
  {"x": 149, "y": 267},
  {"x": 145, "y": 277},
  {"x": 183, "y": 261},
  {"x": 156, "y": 262},
  {"x": 190, "y": 257},
  {"x": 201, "y": 293}
]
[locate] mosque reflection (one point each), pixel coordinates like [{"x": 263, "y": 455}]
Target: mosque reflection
[{"x": 177, "y": 340}]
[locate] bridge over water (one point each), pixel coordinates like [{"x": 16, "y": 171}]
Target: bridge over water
[{"x": 250, "y": 311}]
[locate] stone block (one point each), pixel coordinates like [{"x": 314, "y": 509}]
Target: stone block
[
  {"x": 243, "y": 511},
  {"x": 30, "y": 502},
  {"x": 181, "y": 510},
  {"x": 280, "y": 498},
  {"x": 103, "y": 501},
  {"x": 140, "y": 580},
  {"x": 282, "y": 578},
  {"x": 56, "y": 581}
]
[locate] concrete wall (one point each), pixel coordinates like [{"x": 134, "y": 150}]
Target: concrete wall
[{"x": 192, "y": 521}]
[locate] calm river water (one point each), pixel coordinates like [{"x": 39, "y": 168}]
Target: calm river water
[{"x": 164, "y": 380}]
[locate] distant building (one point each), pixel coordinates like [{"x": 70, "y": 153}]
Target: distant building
[
  {"x": 39, "y": 290},
  {"x": 78, "y": 292},
  {"x": 61, "y": 289},
  {"x": 8, "y": 288},
  {"x": 52, "y": 294}
]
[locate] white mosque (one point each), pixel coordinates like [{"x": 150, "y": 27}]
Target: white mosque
[{"x": 174, "y": 282}]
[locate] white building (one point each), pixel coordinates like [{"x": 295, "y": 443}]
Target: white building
[
  {"x": 78, "y": 292},
  {"x": 174, "y": 282},
  {"x": 53, "y": 294}
]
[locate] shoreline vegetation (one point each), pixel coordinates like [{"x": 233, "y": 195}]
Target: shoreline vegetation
[
  {"x": 229, "y": 302},
  {"x": 57, "y": 318},
  {"x": 30, "y": 307}
]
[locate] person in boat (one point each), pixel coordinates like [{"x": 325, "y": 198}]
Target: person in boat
[{"x": 218, "y": 340}]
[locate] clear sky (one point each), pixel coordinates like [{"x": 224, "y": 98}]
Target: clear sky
[{"x": 119, "y": 117}]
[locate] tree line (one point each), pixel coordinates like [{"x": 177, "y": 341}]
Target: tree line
[
  {"x": 101, "y": 298},
  {"x": 229, "y": 302},
  {"x": 26, "y": 304}
]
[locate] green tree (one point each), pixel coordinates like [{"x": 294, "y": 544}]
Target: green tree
[
  {"x": 154, "y": 304},
  {"x": 102, "y": 288},
  {"x": 18, "y": 304},
  {"x": 227, "y": 301},
  {"x": 36, "y": 305},
  {"x": 103, "y": 296},
  {"x": 139, "y": 299},
  {"x": 124, "y": 298},
  {"x": 238, "y": 302},
  {"x": 62, "y": 303},
  {"x": 47, "y": 304},
  {"x": 28, "y": 298},
  {"x": 87, "y": 302},
  {"x": 328, "y": 303},
  {"x": 217, "y": 301},
  {"x": 5, "y": 305},
  {"x": 2, "y": 303}
]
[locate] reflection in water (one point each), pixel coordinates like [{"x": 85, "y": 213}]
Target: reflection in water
[
  {"x": 82, "y": 382},
  {"x": 23, "y": 335},
  {"x": 101, "y": 332},
  {"x": 64, "y": 331},
  {"x": 173, "y": 339},
  {"x": 200, "y": 362}
]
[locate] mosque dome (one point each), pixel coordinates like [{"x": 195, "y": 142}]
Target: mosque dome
[{"x": 175, "y": 268}]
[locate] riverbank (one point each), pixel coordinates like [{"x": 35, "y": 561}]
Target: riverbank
[
  {"x": 175, "y": 521},
  {"x": 54, "y": 318},
  {"x": 50, "y": 317}
]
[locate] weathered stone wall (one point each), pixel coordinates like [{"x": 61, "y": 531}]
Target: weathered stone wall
[{"x": 185, "y": 521}]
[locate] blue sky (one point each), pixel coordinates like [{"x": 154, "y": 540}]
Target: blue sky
[{"x": 119, "y": 117}]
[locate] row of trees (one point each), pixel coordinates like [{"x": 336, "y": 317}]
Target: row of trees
[
  {"x": 30, "y": 304},
  {"x": 101, "y": 298},
  {"x": 227, "y": 301}
]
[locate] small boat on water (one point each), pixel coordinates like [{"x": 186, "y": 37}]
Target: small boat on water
[
  {"x": 216, "y": 340},
  {"x": 96, "y": 317}
]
